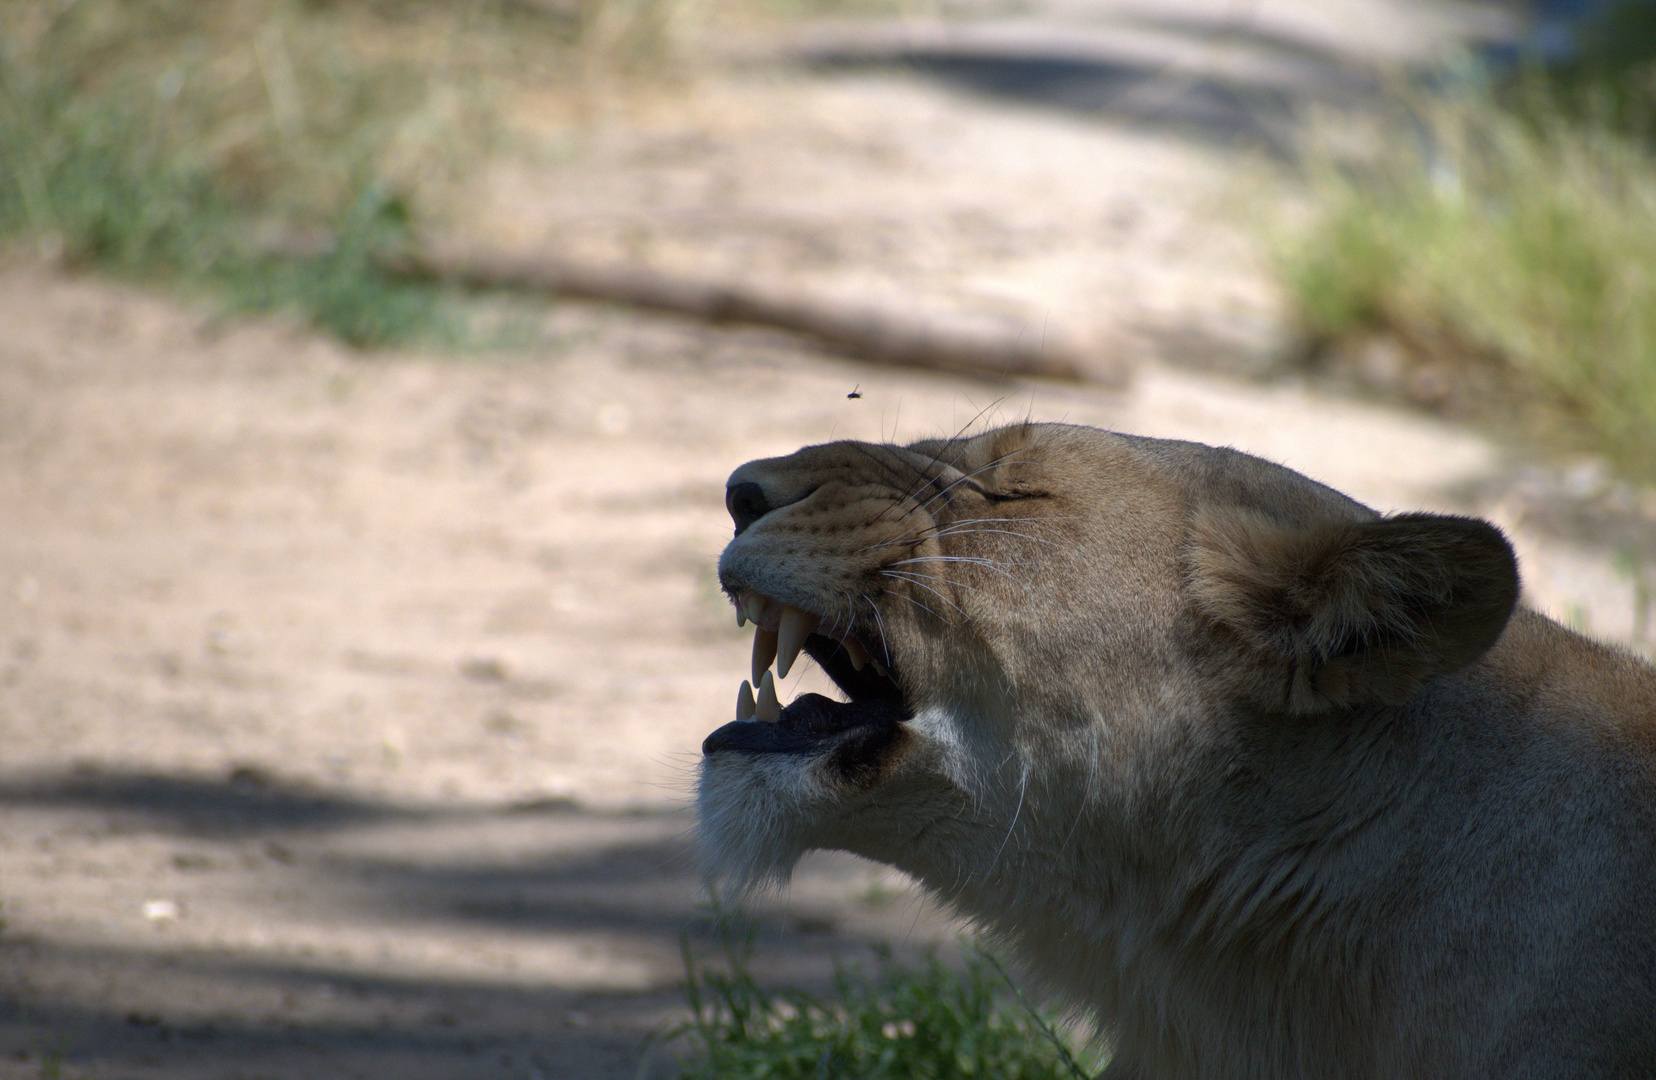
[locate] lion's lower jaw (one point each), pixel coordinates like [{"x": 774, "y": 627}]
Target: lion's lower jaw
[{"x": 749, "y": 821}]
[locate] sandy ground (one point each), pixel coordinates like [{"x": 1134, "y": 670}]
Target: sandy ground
[{"x": 351, "y": 703}]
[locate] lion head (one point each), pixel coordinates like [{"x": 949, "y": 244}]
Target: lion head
[
  {"x": 1042, "y": 612},
  {"x": 1227, "y": 757}
]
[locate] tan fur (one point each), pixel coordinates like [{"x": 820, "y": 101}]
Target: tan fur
[{"x": 1273, "y": 785}]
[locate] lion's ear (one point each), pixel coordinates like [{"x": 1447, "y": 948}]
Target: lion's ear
[{"x": 1350, "y": 613}]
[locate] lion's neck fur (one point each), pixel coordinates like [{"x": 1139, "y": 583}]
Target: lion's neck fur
[{"x": 1225, "y": 915}]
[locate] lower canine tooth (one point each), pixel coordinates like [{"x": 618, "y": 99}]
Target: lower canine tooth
[
  {"x": 881, "y": 668},
  {"x": 764, "y": 651},
  {"x": 768, "y": 709},
  {"x": 745, "y": 708}
]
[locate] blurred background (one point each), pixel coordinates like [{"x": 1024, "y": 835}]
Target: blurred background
[{"x": 370, "y": 371}]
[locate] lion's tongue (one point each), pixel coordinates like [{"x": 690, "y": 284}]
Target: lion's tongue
[{"x": 814, "y": 715}]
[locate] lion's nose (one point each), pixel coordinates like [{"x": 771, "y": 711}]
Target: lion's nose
[{"x": 747, "y": 503}]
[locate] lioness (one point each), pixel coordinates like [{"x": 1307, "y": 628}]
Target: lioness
[{"x": 1274, "y": 785}]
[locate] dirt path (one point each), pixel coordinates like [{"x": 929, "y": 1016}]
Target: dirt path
[{"x": 350, "y": 703}]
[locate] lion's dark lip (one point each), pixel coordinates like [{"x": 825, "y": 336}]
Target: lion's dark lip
[{"x": 811, "y": 724}]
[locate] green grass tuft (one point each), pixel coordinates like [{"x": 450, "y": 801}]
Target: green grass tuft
[
  {"x": 83, "y": 174},
  {"x": 203, "y": 144},
  {"x": 345, "y": 288},
  {"x": 898, "y": 1023}
]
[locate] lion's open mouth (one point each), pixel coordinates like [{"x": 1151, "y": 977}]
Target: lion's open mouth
[{"x": 857, "y": 659}]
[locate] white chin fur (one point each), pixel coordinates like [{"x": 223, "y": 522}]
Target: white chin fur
[{"x": 751, "y": 809}]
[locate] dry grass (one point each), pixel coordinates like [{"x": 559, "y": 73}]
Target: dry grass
[{"x": 1518, "y": 244}]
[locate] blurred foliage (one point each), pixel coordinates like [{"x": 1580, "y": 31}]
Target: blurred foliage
[
  {"x": 1508, "y": 235},
  {"x": 1608, "y": 80},
  {"x": 197, "y": 141},
  {"x": 282, "y": 105}
]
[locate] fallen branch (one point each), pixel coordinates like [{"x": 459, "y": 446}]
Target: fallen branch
[{"x": 989, "y": 348}]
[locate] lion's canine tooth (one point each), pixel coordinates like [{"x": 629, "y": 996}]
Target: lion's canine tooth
[
  {"x": 856, "y": 653},
  {"x": 764, "y": 651},
  {"x": 768, "y": 709},
  {"x": 790, "y": 636},
  {"x": 881, "y": 669},
  {"x": 745, "y": 708},
  {"x": 741, "y": 614}
]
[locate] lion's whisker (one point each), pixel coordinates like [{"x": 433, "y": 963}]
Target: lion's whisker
[
  {"x": 885, "y": 642},
  {"x": 964, "y": 477},
  {"x": 953, "y": 441},
  {"x": 914, "y": 580},
  {"x": 991, "y": 564},
  {"x": 912, "y": 574},
  {"x": 965, "y": 529},
  {"x": 926, "y": 477},
  {"x": 962, "y": 528},
  {"x": 919, "y": 605},
  {"x": 1023, "y": 789},
  {"x": 888, "y": 467}
]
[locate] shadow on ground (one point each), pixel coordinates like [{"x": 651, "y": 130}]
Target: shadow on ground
[
  {"x": 311, "y": 933},
  {"x": 1234, "y": 85},
  {"x": 246, "y": 802},
  {"x": 1224, "y": 113}
]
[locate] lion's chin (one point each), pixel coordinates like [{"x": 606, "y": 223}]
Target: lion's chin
[
  {"x": 751, "y": 812},
  {"x": 765, "y": 780}
]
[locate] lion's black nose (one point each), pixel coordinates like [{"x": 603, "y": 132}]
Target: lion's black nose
[{"x": 746, "y": 503}]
